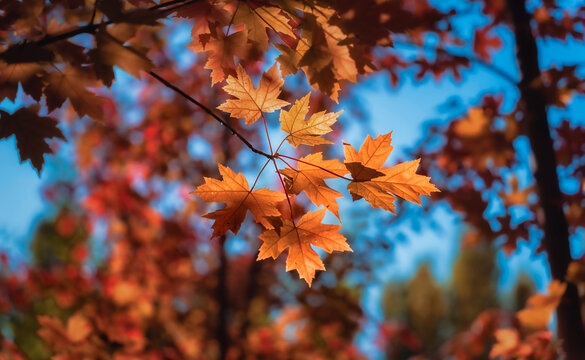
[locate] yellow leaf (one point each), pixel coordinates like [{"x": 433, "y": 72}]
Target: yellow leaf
[
  {"x": 298, "y": 238},
  {"x": 303, "y": 131},
  {"x": 252, "y": 102},
  {"x": 235, "y": 192}
]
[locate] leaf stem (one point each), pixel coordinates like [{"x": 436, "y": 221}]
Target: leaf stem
[
  {"x": 279, "y": 145},
  {"x": 267, "y": 136},
  {"x": 292, "y": 218},
  {"x": 258, "y": 176},
  {"x": 287, "y": 164}
]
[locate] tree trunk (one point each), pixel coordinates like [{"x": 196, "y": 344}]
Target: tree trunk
[{"x": 556, "y": 232}]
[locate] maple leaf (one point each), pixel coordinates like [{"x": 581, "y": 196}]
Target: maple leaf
[
  {"x": 327, "y": 60},
  {"x": 540, "y": 307},
  {"x": 298, "y": 238},
  {"x": 303, "y": 131},
  {"x": 258, "y": 20},
  {"x": 373, "y": 153},
  {"x": 483, "y": 42},
  {"x": 380, "y": 186},
  {"x": 290, "y": 57},
  {"x": 27, "y": 74},
  {"x": 71, "y": 84},
  {"x": 222, "y": 50},
  {"x": 31, "y": 132},
  {"x": 205, "y": 17},
  {"x": 311, "y": 180},
  {"x": 235, "y": 192},
  {"x": 110, "y": 51},
  {"x": 252, "y": 102}
]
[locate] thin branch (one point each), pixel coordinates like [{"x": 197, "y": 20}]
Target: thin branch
[
  {"x": 287, "y": 164},
  {"x": 166, "y": 4},
  {"x": 91, "y": 27},
  {"x": 211, "y": 113},
  {"x": 267, "y": 135},
  {"x": 91, "y": 21},
  {"x": 311, "y": 164},
  {"x": 232, "y": 19},
  {"x": 258, "y": 176},
  {"x": 280, "y": 145},
  {"x": 496, "y": 70}
]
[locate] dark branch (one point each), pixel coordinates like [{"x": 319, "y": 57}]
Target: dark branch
[
  {"x": 92, "y": 27},
  {"x": 211, "y": 113}
]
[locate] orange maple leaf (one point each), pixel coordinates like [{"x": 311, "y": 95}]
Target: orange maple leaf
[
  {"x": 235, "y": 192},
  {"x": 72, "y": 84},
  {"x": 222, "y": 50},
  {"x": 301, "y": 131},
  {"x": 311, "y": 180},
  {"x": 110, "y": 51},
  {"x": 251, "y": 102},
  {"x": 298, "y": 238},
  {"x": 320, "y": 52},
  {"x": 380, "y": 186},
  {"x": 258, "y": 20}
]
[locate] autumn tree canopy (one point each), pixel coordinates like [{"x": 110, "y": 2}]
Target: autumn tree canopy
[{"x": 263, "y": 92}]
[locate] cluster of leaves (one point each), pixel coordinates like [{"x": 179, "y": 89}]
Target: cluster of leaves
[
  {"x": 379, "y": 186},
  {"x": 39, "y": 54},
  {"x": 479, "y": 157},
  {"x": 311, "y": 33},
  {"x": 182, "y": 311}
]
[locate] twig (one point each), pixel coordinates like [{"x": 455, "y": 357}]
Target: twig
[
  {"x": 93, "y": 13},
  {"x": 165, "y": 4},
  {"x": 211, "y": 113},
  {"x": 292, "y": 218}
]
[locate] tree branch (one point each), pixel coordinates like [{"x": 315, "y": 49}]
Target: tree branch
[
  {"x": 556, "y": 230},
  {"x": 211, "y": 113},
  {"x": 91, "y": 27}
]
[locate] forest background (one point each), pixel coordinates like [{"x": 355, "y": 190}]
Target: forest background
[{"x": 422, "y": 256}]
